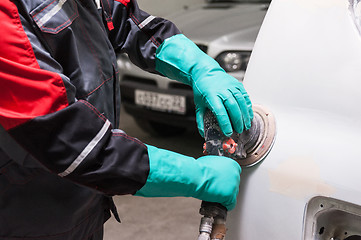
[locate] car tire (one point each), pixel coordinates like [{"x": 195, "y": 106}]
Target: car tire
[{"x": 159, "y": 129}]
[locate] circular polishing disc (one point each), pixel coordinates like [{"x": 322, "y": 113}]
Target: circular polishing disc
[{"x": 265, "y": 140}]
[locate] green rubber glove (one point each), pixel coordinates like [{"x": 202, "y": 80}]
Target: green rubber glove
[
  {"x": 209, "y": 178},
  {"x": 180, "y": 59}
]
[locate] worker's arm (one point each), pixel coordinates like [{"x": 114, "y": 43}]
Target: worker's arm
[
  {"x": 209, "y": 178},
  {"x": 39, "y": 110},
  {"x": 72, "y": 139},
  {"x": 78, "y": 143},
  {"x": 156, "y": 45}
]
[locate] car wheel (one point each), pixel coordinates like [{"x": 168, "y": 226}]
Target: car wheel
[{"x": 159, "y": 129}]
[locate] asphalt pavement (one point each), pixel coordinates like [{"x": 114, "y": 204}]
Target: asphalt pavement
[{"x": 157, "y": 218}]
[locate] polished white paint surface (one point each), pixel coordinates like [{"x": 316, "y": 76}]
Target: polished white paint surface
[{"x": 305, "y": 68}]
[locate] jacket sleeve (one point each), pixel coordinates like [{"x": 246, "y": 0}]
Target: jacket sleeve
[
  {"x": 72, "y": 140},
  {"x": 138, "y": 33}
]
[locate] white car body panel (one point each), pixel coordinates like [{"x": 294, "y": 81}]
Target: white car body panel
[{"x": 305, "y": 68}]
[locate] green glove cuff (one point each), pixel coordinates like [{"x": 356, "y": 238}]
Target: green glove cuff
[
  {"x": 180, "y": 59},
  {"x": 210, "y": 178},
  {"x": 166, "y": 172}
]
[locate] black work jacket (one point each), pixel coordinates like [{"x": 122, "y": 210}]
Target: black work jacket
[{"x": 61, "y": 156}]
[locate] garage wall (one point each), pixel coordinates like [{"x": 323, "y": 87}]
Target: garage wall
[{"x": 163, "y": 7}]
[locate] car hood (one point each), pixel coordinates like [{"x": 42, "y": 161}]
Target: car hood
[{"x": 225, "y": 20}]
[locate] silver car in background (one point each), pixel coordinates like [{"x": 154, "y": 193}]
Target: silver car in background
[{"x": 225, "y": 30}]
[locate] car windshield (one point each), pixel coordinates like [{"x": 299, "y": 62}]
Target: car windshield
[{"x": 240, "y": 1}]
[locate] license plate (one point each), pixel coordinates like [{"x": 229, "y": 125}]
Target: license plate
[{"x": 161, "y": 102}]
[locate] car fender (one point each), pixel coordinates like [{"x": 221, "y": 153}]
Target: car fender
[{"x": 305, "y": 68}]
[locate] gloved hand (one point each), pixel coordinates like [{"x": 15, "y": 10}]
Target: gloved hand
[
  {"x": 209, "y": 178},
  {"x": 180, "y": 59}
]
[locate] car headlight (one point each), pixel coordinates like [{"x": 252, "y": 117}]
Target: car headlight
[{"x": 234, "y": 61}]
